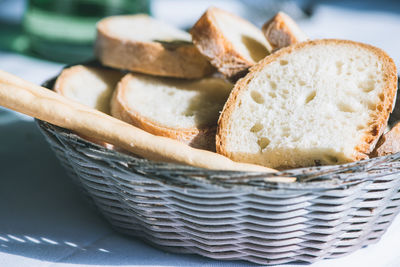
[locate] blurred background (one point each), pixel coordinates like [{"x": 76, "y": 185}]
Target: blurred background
[{"x": 44, "y": 34}]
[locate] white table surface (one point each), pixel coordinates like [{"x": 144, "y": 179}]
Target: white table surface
[{"x": 45, "y": 221}]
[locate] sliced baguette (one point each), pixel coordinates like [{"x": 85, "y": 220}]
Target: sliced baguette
[
  {"x": 185, "y": 110},
  {"x": 90, "y": 86},
  {"x": 140, "y": 43},
  {"x": 389, "y": 143},
  {"x": 316, "y": 102},
  {"x": 231, "y": 43},
  {"x": 46, "y": 105},
  {"x": 282, "y": 31}
]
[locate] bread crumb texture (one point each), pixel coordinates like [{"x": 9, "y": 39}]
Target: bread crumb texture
[
  {"x": 178, "y": 103},
  {"x": 319, "y": 102},
  {"x": 90, "y": 86},
  {"x": 185, "y": 110}
]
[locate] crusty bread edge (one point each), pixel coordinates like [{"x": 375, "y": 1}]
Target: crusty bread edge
[
  {"x": 76, "y": 70},
  {"x": 203, "y": 138},
  {"x": 59, "y": 85},
  {"x": 41, "y": 103},
  {"x": 389, "y": 143},
  {"x": 287, "y": 30},
  {"x": 376, "y": 128},
  {"x": 180, "y": 61},
  {"x": 215, "y": 46}
]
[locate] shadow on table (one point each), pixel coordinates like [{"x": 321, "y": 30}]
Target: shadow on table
[{"x": 44, "y": 215}]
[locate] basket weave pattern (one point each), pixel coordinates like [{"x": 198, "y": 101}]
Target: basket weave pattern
[{"x": 330, "y": 212}]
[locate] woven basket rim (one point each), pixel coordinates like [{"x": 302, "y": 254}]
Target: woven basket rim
[{"x": 328, "y": 175}]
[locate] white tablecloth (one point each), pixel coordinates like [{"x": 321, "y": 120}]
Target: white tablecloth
[{"x": 45, "y": 221}]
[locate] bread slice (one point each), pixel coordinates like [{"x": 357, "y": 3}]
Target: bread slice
[
  {"x": 140, "y": 43},
  {"x": 185, "y": 110},
  {"x": 389, "y": 143},
  {"x": 282, "y": 31},
  {"x": 90, "y": 86},
  {"x": 231, "y": 43},
  {"x": 316, "y": 102}
]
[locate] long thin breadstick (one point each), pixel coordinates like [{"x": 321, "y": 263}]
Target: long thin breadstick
[{"x": 41, "y": 103}]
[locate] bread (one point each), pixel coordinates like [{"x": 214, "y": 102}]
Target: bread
[
  {"x": 90, "y": 86},
  {"x": 282, "y": 31},
  {"x": 46, "y": 105},
  {"x": 316, "y": 102},
  {"x": 389, "y": 143},
  {"x": 231, "y": 43},
  {"x": 142, "y": 44},
  {"x": 185, "y": 110}
]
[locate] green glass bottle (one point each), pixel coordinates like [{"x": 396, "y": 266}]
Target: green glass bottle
[{"x": 64, "y": 30}]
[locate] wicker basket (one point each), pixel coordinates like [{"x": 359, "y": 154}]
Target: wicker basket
[{"x": 330, "y": 212}]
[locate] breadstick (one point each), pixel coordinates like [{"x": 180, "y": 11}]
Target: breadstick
[{"x": 41, "y": 103}]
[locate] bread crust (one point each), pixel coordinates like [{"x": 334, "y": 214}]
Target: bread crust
[
  {"x": 203, "y": 138},
  {"x": 71, "y": 72},
  {"x": 180, "y": 60},
  {"x": 41, "y": 103},
  {"x": 282, "y": 31},
  {"x": 74, "y": 71},
  {"x": 65, "y": 75},
  {"x": 376, "y": 126},
  {"x": 212, "y": 43},
  {"x": 389, "y": 143}
]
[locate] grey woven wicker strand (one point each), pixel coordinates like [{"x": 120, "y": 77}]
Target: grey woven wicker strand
[{"x": 330, "y": 212}]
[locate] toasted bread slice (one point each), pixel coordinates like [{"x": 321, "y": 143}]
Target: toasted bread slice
[
  {"x": 185, "y": 110},
  {"x": 389, "y": 143},
  {"x": 90, "y": 86},
  {"x": 316, "y": 102},
  {"x": 231, "y": 43},
  {"x": 142, "y": 44},
  {"x": 282, "y": 31}
]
